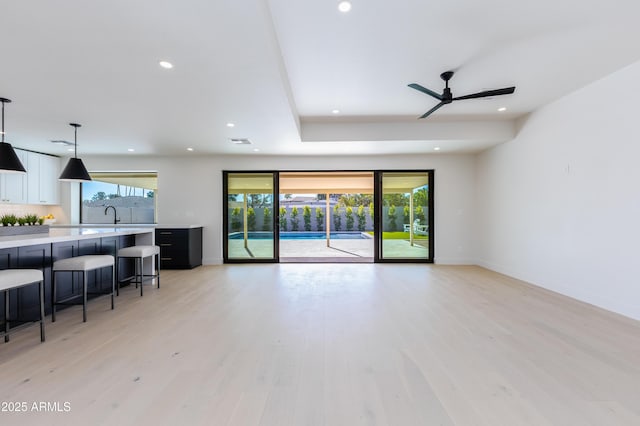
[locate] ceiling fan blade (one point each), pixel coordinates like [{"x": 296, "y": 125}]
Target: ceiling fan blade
[
  {"x": 425, "y": 90},
  {"x": 487, "y": 93},
  {"x": 426, "y": 114}
]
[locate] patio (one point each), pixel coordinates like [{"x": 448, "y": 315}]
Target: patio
[{"x": 309, "y": 250}]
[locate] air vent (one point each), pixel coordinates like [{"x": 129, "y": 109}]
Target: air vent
[
  {"x": 63, "y": 143},
  {"x": 240, "y": 141}
]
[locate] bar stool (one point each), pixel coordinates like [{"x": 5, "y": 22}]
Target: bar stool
[
  {"x": 15, "y": 278},
  {"x": 139, "y": 253},
  {"x": 82, "y": 264}
]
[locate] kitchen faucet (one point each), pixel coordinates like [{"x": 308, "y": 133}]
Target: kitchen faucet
[{"x": 115, "y": 215}]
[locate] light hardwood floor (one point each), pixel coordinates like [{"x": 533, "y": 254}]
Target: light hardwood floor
[{"x": 338, "y": 344}]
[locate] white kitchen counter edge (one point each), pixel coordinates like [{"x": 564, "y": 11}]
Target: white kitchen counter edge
[{"x": 57, "y": 235}]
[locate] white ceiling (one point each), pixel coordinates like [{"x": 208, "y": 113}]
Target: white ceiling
[{"x": 277, "y": 68}]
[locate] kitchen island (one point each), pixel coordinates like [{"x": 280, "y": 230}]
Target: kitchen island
[{"x": 39, "y": 251}]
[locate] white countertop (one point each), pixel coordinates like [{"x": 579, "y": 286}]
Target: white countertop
[{"x": 69, "y": 234}]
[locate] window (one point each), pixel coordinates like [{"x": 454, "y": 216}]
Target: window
[{"x": 131, "y": 194}]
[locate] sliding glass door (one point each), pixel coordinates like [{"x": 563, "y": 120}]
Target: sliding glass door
[
  {"x": 404, "y": 230},
  {"x": 250, "y": 212}
]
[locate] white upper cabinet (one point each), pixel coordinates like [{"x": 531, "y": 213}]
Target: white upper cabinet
[
  {"x": 13, "y": 186},
  {"x": 42, "y": 179}
]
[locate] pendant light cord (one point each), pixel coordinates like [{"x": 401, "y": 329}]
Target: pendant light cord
[{"x": 75, "y": 138}]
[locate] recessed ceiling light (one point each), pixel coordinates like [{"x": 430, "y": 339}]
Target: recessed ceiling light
[
  {"x": 502, "y": 109},
  {"x": 231, "y": 125},
  {"x": 437, "y": 148},
  {"x": 166, "y": 65},
  {"x": 131, "y": 150},
  {"x": 335, "y": 111},
  {"x": 70, "y": 149},
  {"x": 256, "y": 150},
  {"x": 189, "y": 149},
  {"x": 344, "y": 6}
]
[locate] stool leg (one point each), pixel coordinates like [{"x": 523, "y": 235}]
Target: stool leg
[
  {"x": 6, "y": 316},
  {"x": 141, "y": 275},
  {"x": 84, "y": 296},
  {"x": 41, "y": 311},
  {"x": 53, "y": 297},
  {"x": 158, "y": 268},
  {"x": 116, "y": 277},
  {"x": 113, "y": 283}
]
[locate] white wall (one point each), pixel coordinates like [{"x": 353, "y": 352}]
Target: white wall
[
  {"x": 559, "y": 206},
  {"x": 190, "y": 191}
]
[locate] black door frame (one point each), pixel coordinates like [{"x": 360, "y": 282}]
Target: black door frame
[
  {"x": 377, "y": 205},
  {"x": 275, "y": 217}
]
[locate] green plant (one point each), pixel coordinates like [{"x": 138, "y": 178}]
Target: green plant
[
  {"x": 251, "y": 219},
  {"x": 350, "y": 219},
  {"x": 235, "y": 219},
  {"x": 337, "y": 219},
  {"x": 405, "y": 214},
  {"x": 294, "y": 218},
  {"x": 362, "y": 218},
  {"x": 22, "y": 221},
  {"x": 319, "y": 219},
  {"x": 283, "y": 219},
  {"x": 40, "y": 221},
  {"x": 306, "y": 216},
  {"x": 391, "y": 214},
  {"x": 371, "y": 212},
  {"x": 266, "y": 221},
  {"x": 31, "y": 219}
]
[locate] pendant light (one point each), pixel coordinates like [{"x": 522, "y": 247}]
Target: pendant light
[
  {"x": 75, "y": 170},
  {"x": 9, "y": 161}
]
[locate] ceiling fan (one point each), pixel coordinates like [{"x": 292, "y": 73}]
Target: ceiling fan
[{"x": 447, "y": 97}]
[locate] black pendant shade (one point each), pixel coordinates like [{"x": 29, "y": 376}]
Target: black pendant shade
[
  {"x": 9, "y": 161},
  {"x": 75, "y": 171}
]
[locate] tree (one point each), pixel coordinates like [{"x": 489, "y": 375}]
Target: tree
[
  {"x": 337, "y": 219},
  {"x": 283, "y": 219},
  {"x": 266, "y": 221},
  {"x": 405, "y": 214},
  {"x": 151, "y": 194},
  {"x": 294, "y": 218},
  {"x": 362, "y": 218},
  {"x": 396, "y": 199},
  {"x": 235, "y": 219},
  {"x": 391, "y": 214},
  {"x": 421, "y": 197},
  {"x": 306, "y": 216},
  {"x": 251, "y": 219},
  {"x": 99, "y": 196},
  {"x": 349, "y": 213},
  {"x": 371, "y": 211},
  {"x": 319, "y": 218}
]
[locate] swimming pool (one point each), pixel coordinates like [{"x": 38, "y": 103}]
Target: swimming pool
[{"x": 304, "y": 235}]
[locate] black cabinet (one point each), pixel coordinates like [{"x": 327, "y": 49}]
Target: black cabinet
[{"x": 180, "y": 248}]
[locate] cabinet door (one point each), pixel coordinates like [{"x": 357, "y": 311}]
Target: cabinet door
[
  {"x": 49, "y": 171},
  {"x": 42, "y": 177},
  {"x": 13, "y": 186}
]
